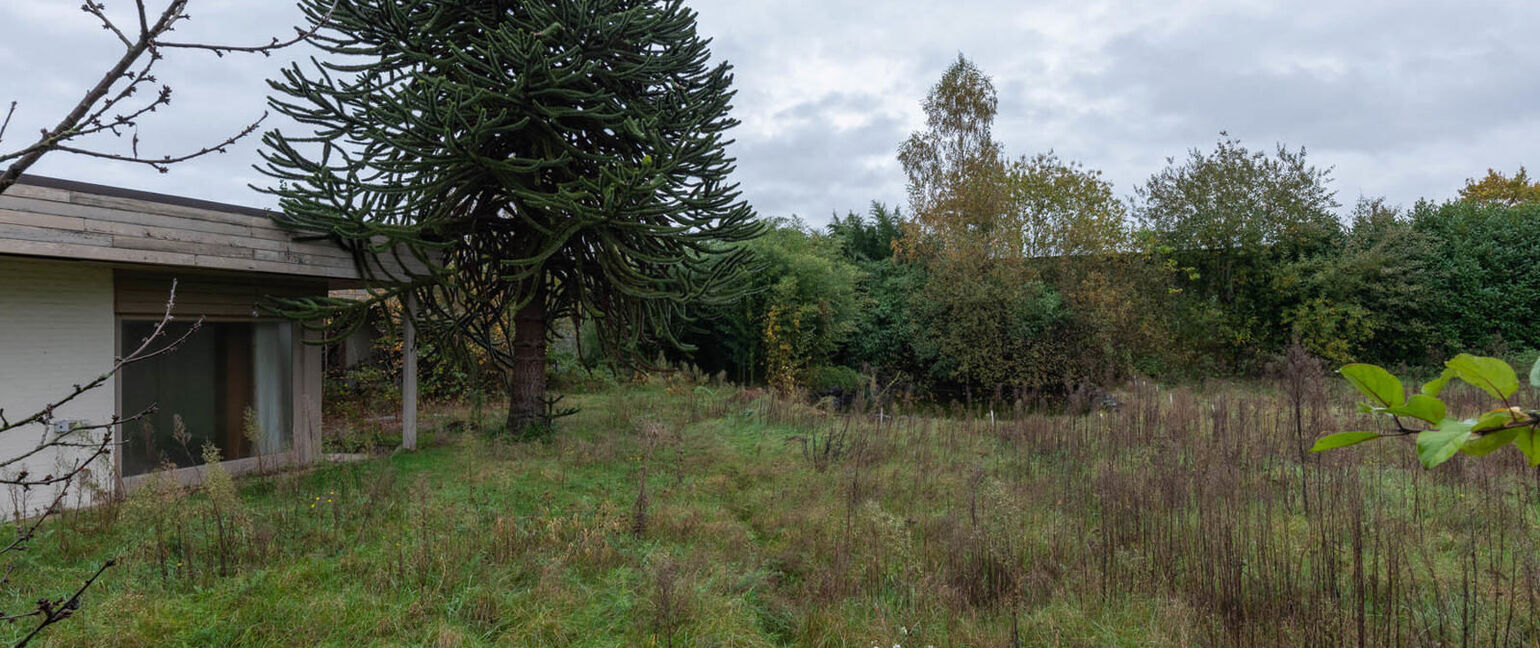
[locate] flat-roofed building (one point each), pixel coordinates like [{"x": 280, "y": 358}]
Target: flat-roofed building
[{"x": 85, "y": 275}]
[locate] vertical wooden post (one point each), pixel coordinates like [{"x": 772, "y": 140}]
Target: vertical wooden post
[{"x": 409, "y": 374}]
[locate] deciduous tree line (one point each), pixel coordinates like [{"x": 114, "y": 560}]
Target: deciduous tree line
[{"x": 1033, "y": 274}]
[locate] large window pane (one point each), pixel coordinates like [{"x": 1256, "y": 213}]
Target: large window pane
[
  {"x": 273, "y": 351},
  {"x": 205, "y": 391}
]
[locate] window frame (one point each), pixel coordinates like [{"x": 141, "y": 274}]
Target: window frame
[{"x": 194, "y": 475}]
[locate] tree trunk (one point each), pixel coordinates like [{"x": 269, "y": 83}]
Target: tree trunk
[{"x": 526, "y": 386}]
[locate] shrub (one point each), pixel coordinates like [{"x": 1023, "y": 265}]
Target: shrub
[{"x": 827, "y": 378}]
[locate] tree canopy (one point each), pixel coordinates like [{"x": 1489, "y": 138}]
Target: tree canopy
[
  {"x": 1497, "y": 188},
  {"x": 1008, "y": 247},
  {"x": 955, "y": 169},
  {"x": 1235, "y": 200},
  {"x": 549, "y": 159}
]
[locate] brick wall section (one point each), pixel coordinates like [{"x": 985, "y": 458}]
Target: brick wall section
[{"x": 56, "y": 330}]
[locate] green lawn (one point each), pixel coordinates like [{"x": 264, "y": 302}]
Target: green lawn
[{"x": 1162, "y": 525}]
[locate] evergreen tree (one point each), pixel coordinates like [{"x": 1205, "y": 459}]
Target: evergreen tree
[
  {"x": 868, "y": 238},
  {"x": 548, "y": 159}
]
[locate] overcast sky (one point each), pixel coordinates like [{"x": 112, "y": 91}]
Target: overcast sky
[{"x": 1404, "y": 98}]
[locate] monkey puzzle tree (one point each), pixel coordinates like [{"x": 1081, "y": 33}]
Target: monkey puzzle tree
[{"x": 546, "y": 158}]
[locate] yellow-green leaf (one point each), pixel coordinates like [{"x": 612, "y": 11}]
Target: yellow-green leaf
[
  {"x": 1382, "y": 388},
  {"x": 1528, "y": 442},
  {"x": 1438, "y": 445},
  {"x": 1486, "y": 444},
  {"x": 1343, "y": 440},
  {"x": 1491, "y": 375},
  {"x": 1437, "y": 385},
  {"x": 1493, "y": 420},
  {"x": 1423, "y": 408}
]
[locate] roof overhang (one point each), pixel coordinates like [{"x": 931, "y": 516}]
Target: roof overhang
[{"x": 62, "y": 219}]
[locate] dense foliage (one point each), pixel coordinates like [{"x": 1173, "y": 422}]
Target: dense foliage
[
  {"x": 1005, "y": 277},
  {"x": 1011, "y": 277},
  {"x": 1502, "y": 189},
  {"x": 1483, "y": 298},
  {"x": 801, "y": 306}
]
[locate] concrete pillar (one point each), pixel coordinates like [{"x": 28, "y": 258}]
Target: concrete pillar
[{"x": 409, "y": 374}]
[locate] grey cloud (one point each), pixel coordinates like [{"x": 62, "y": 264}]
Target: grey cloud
[
  {"x": 869, "y": 104},
  {"x": 1404, "y": 98},
  {"x": 1381, "y": 98},
  {"x": 59, "y": 52},
  {"x": 813, "y": 170}
]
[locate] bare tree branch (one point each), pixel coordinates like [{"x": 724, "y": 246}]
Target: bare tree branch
[
  {"x": 96, "y": 9},
  {"x": 162, "y": 164},
  {"x": 120, "y": 82},
  {"x": 145, "y": 351},
  {"x": 56, "y": 610},
  {"x": 144, "y": 25},
  {"x": 7, "y": 123},
  {"x": 300, "y": 35},
  {"x": 49, "y": 611},
  {"x": 68, "y": 126}
]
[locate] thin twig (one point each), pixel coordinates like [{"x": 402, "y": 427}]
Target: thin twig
[
  {"x": 7, "y": 123},
  {"x": 51, "y": 611},
  {"x": 56, "y": 611},
  {"x": 265, "y": 50},
  {"x": 161, "y": 163},
  {"x": 144, "y": 24},
  {"x": 87, "y": 116},
  {"x": 95, "y": 9},
  {"x": 144, "y": 351}
]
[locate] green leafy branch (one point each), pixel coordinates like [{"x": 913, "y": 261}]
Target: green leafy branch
[{"x": 1425, "y": 416}]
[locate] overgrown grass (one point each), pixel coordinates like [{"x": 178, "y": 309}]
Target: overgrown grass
[{"x": 684, "y": 515}]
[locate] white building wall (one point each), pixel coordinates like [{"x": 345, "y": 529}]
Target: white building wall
[{"x": 57, "y": 330}]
